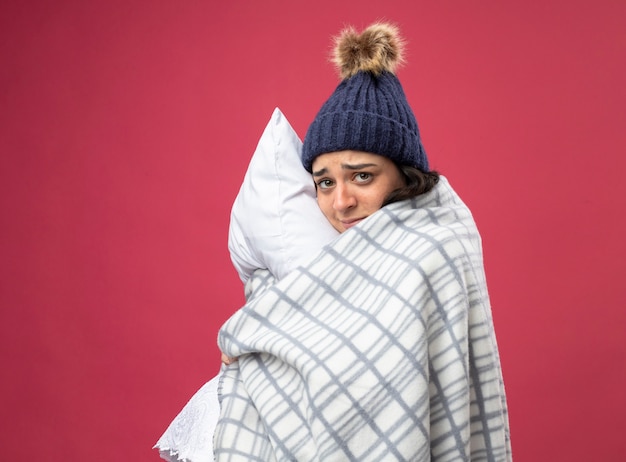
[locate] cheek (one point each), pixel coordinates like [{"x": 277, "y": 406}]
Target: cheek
[
  {"x": 324, "y": 204},
  {"x": 397, "y": 181},
  {"x": 394, "y": 184},
  {"x": 378, "y": 197}
]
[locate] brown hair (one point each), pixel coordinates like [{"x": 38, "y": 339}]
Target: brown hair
[{"x": 417, "y": 183}]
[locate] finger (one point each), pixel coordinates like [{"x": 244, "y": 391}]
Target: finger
[{"x": 228, "y": 360}]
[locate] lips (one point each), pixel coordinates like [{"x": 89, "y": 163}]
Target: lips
[{"x": 350, "y": 223}]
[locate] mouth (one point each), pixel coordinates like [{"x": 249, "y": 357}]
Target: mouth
[{"x": 350, "y": 223}]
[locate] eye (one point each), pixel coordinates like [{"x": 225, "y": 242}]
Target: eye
[
  {"x": 362, "y": 177},
  {"x": 324, "y": 184}
]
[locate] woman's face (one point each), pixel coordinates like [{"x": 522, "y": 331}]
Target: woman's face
[{"x": 351, "y": 185}]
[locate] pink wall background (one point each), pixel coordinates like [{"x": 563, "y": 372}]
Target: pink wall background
[{"x": 125, "y": 131}]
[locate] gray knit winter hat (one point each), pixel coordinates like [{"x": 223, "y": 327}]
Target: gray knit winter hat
[{"x": 368, "y": 110}]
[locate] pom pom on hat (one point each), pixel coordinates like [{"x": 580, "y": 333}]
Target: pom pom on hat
[
  {"x": 368, "y": 110},
  {"x": 379, "y": 48}
]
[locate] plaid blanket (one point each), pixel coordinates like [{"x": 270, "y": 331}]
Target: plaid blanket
[{"x": 381, "y": 348}]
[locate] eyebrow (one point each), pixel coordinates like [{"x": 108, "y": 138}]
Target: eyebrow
[{"x": 324, "y": 170}]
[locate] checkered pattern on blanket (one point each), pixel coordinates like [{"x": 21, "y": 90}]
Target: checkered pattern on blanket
[{"x": 382, "y": 348}]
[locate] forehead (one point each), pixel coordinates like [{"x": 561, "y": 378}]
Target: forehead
[{"x": 339, "y": 158}]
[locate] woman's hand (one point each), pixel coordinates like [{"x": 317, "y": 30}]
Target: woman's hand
[{"x": 228, "y": 360}]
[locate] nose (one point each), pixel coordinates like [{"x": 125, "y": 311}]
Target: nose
[{"x": 344, "y": 198}]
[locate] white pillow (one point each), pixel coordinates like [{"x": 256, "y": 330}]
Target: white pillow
[{"x": 275, "y": 222}]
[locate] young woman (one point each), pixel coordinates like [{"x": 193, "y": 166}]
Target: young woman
[{"x": 382, "y": 347}]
